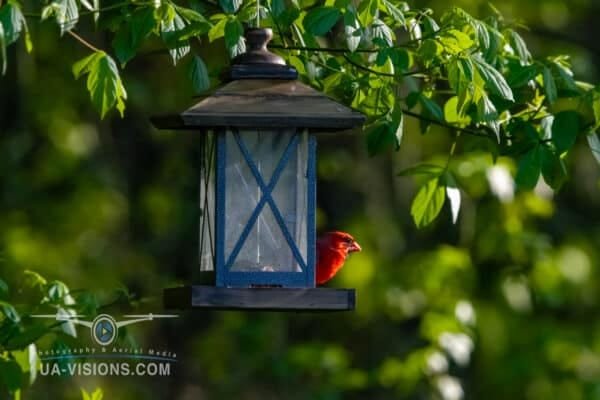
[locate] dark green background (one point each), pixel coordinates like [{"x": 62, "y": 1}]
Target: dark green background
[{"x": 110, "y": 207}]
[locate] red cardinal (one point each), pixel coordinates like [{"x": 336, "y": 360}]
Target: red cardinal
[{"x": 332, "y": 250}]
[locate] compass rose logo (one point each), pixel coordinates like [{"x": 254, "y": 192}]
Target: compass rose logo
[{"x": 104, "y": 328}]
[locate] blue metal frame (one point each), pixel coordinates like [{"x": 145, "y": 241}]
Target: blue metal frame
[
  {"x": 220, "y": 208},
  {"x": 311, "y": 220},
  {"x": 224, "y": 277}
]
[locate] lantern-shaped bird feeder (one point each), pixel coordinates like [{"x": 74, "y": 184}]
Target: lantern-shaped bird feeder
[{"x": 258, "y": 186}]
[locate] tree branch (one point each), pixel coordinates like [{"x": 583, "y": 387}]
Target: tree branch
[
  {"x": 468, "y": 131},
  {"x": 83, "y": 41},
  {"x": 372, "y": 71}
]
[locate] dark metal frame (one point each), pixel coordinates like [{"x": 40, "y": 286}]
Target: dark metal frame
[{"x": 301, "y": 279}]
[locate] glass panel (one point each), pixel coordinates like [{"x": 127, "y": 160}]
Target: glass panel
[
  {"x": 290, "y": 195},
  {"x": 266, "y": 248},
  {"x": 207, "y": 202}
]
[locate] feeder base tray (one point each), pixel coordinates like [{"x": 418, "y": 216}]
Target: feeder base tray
[{"x": 261, "y": 298}]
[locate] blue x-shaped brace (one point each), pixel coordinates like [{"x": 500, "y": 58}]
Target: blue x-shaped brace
[{"x": 267, "y": 197}]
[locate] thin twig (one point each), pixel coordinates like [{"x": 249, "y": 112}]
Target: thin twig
[
  {"x": 83, "y": 41},
  {"x": 434, "y": 121},
  {"x": 372, "y": 71},
  {"x": 322, "y": 49}
]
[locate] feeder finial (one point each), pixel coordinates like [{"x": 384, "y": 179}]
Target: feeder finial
[{"x": 258, "y": 62}]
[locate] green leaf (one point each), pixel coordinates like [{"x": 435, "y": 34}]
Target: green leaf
[
  {"x": 430, "y": 50},
  {"x": 25, "y": 337},
  {"x": 190, "y": 15},
  {"x": 386, "y": 133},
  {"x": 234, "y": 37},
  {"x": 32, "y": 279},
  {"x": 549, "y": 85},
  {"x": 170, "y": 33},
  {"x": 395, "y": 12},
  {"x": 455, "y": 41},
  {"x": 429, "y": 25},
  {"x": 529, "y": 169},
  {"x": 9, "y": 312},
  {"x": 562, "y": 68},
  {"x": 199, "y": 75},
  {"x": 3, "y": 288},
  {"x": 98, "y": 394},
  {"x": 520, "y": 75},
  {"x": 594, "y": 144},
  {"x": 230, "y": 6},
  {"x": 130, "y": 36},
  {"x": 493, "y": 79},
  {"x": 3, "y": 49},
  {"x": 565, "y": 129},
  {"x": 218, "y": 30},
  {"x": 554, "y": 170},
  {"x": 428, "y": 203},
  {"x": 13, "y": 22},
  {"x": 422, "y": 169},
  {"x": 486, "y": 111},
  {"x": 520, "y": 47},
  {"x": 453, "y": 194},
  {"x": 352, "y": 31},
  {"x": 431, "y": 107},
  {"x": 277, "y": 7},
  {"x": 483, "y": 35},
  {"x": 381, "y": 31},
  {"x": 66, "y": 14},
  {"x": 28, "y": 361},
  {"x": 103, "y": 82},
  {"x": 452, "y": 114},
  {"x": 10, "y": 374},
  {"x": 367, "y": 11},
  {"x": 397, "y": 124},
  {"x": 320, "y": 20}
]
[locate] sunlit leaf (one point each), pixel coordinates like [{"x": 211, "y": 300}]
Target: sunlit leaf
[
  {"x": 452, "y": 114},
  {"x": 594, "y": 143},
  {"x": 519, "y": 46},
  {"x": 494, "y": 80},
  {"x": 367, "y": 11},
  {"x": 3, "y": 49},
  {"x": 13, "y": 22},
  {"x": 428, "y": 203},
  {"x": 352, "y": 31},
  {"x": 103, "y": 82},
  {"x": 9, "y": 312},
  {"x": 422, "y": 169},
  {"x": 453, "y": 194},
  {"x": 395, "y": 12}
]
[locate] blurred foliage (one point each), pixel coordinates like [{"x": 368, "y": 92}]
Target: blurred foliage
[{"x": 500, "y": 305}]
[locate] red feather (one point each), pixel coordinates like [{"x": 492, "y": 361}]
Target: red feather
[{"x": 332, "y": 250}]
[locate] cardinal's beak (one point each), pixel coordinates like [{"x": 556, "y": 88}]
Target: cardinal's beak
[{"x": 354, "y": 247}]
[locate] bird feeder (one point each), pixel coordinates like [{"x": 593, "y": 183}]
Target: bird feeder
[{"x": 258, "y": 186}]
